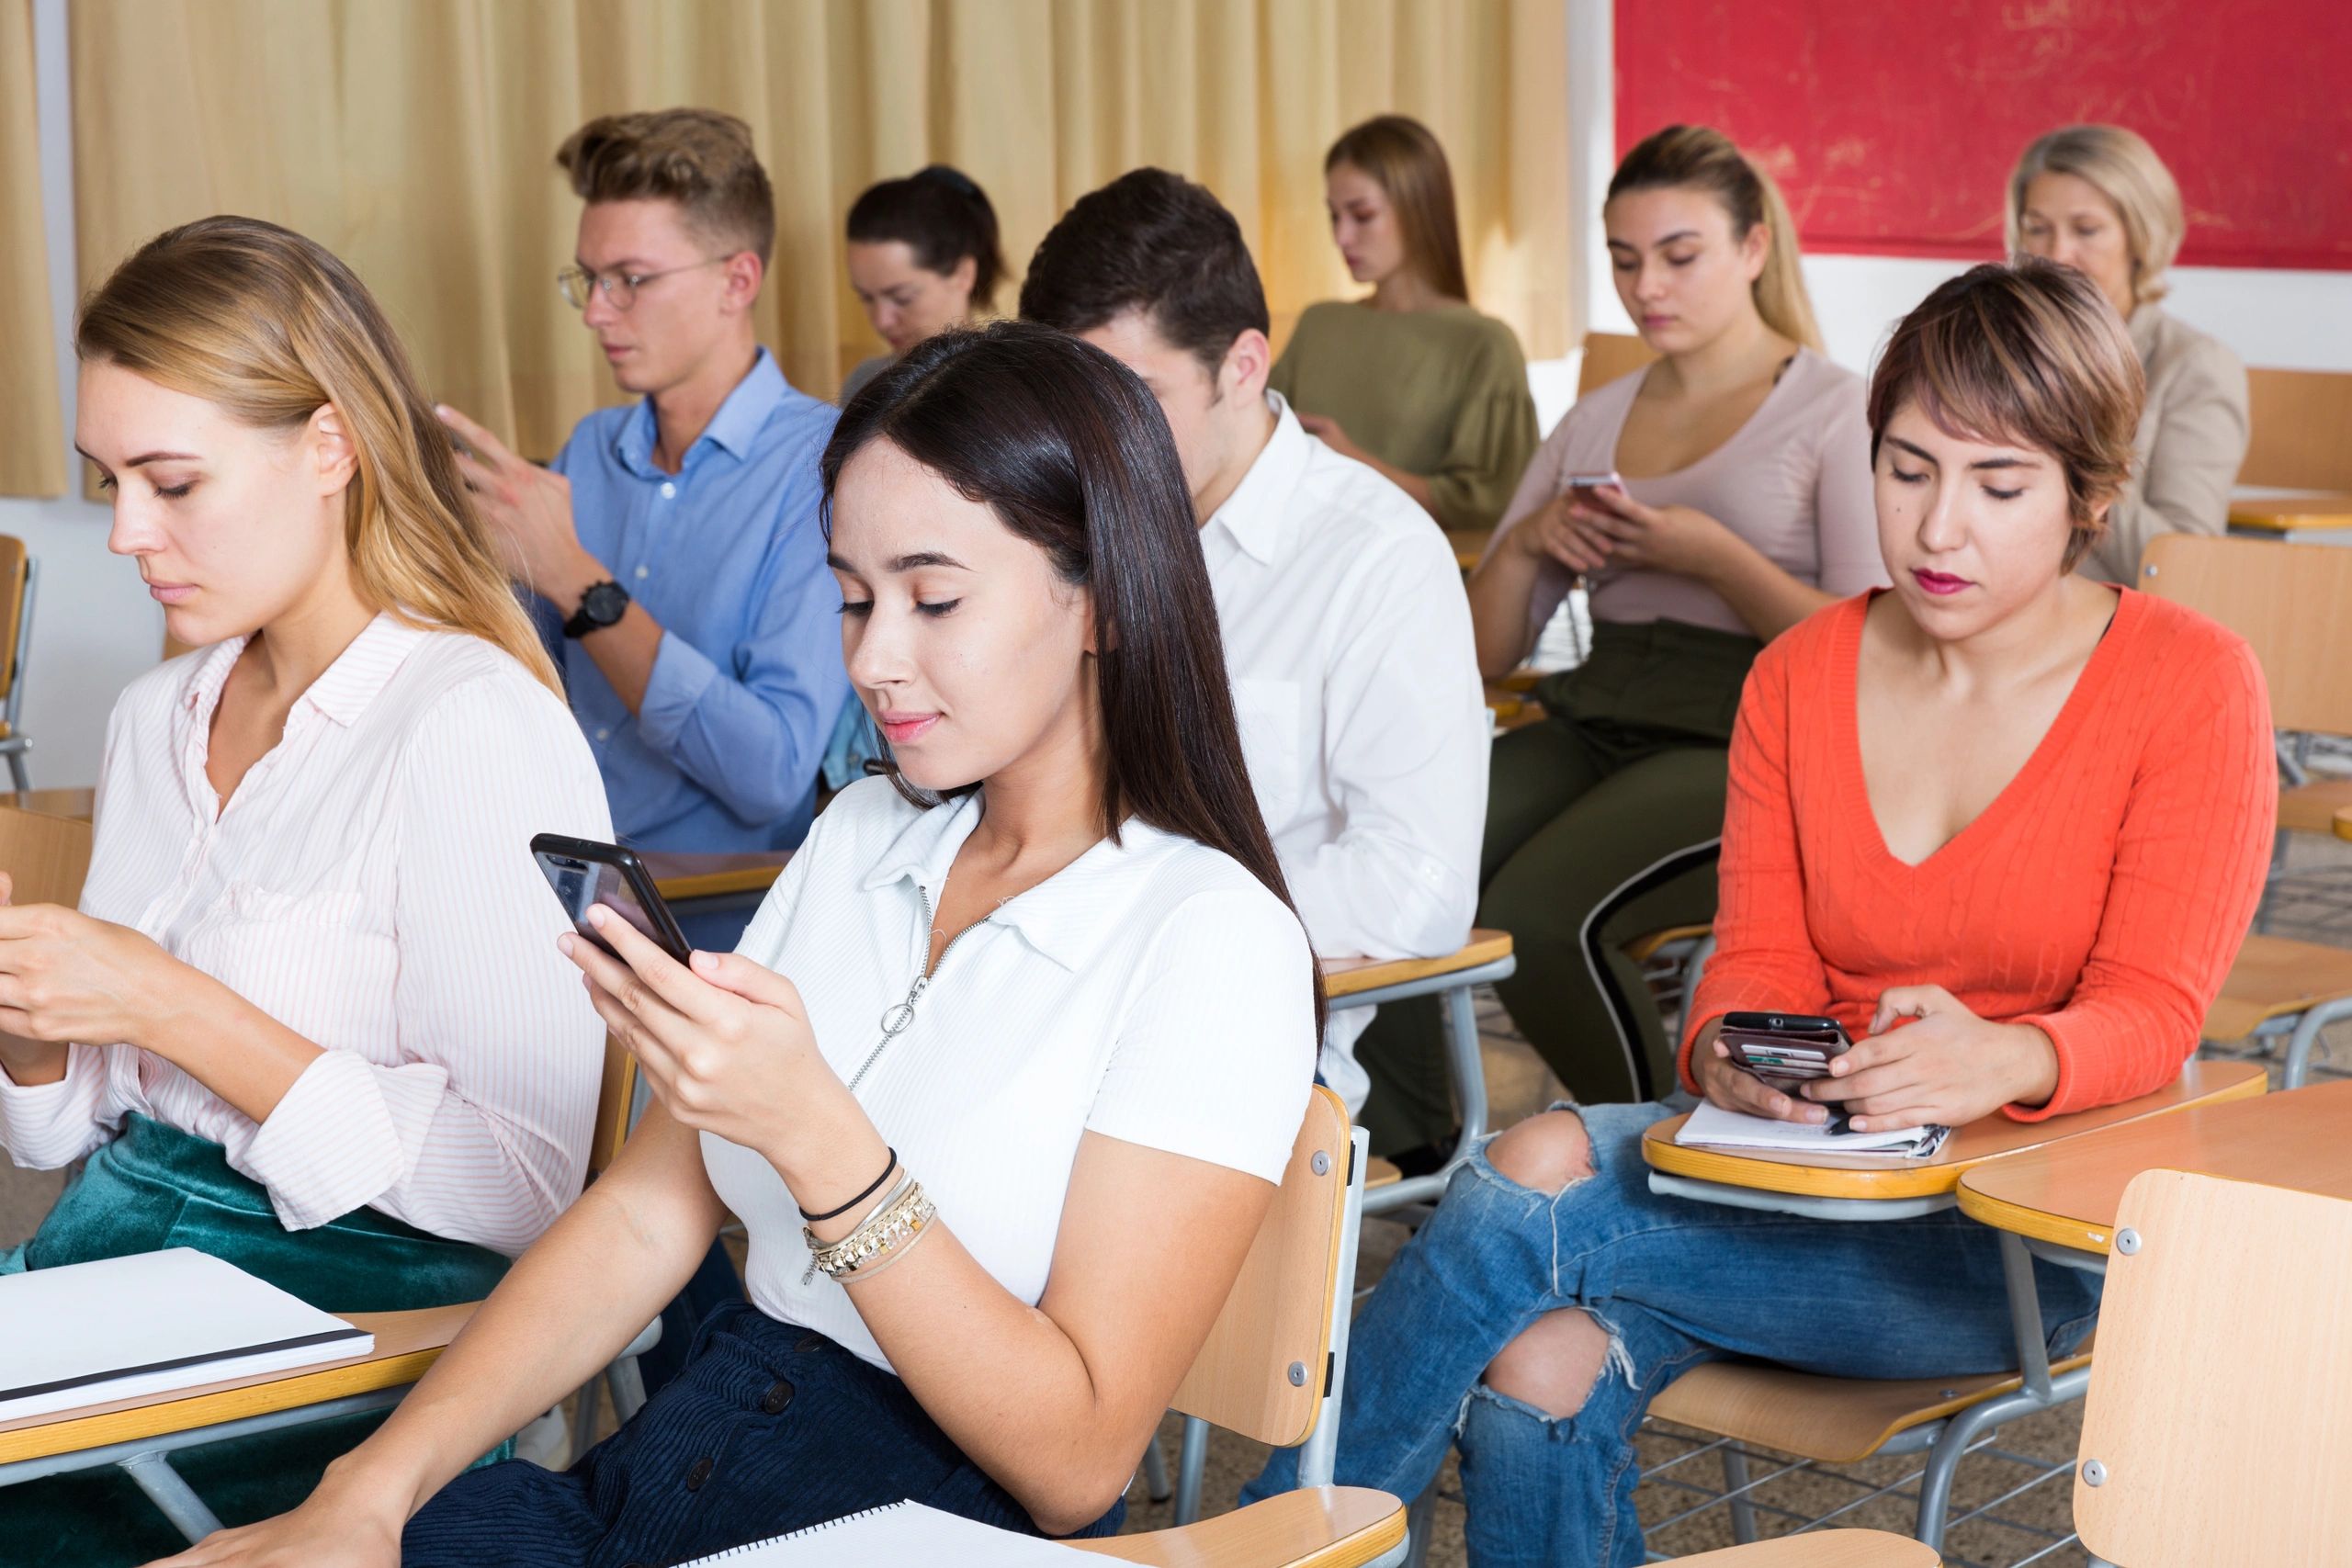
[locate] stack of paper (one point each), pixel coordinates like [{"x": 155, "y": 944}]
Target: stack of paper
[
  {"x": 902, "y": 1532},
  {"x": 1717, "y": 1128},
  {"x": 151, "y": 1323}
]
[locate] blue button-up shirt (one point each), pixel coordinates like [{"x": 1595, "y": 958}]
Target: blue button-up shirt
[{"x": 727, "y": 556}]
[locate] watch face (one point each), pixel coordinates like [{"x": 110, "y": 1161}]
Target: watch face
[{"x": 604, "y": 604}]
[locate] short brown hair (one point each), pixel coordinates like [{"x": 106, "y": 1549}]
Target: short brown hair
[
  {"x": 2029, "y": 351},
  {"x": 1402, "y": 157},
  {"x": 700, "y": 159}
]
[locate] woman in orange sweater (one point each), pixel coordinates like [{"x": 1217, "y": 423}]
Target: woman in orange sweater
[{"x": 2005, "y": 824}]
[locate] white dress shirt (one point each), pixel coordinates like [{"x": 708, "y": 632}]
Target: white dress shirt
[
  {"x": 1355, "y": 678},
  {"x": 370, "y": 885},
  {"x": 1152, "y": 991}
]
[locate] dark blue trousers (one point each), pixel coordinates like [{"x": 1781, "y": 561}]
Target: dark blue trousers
[{"x": 769, "y": 1429}]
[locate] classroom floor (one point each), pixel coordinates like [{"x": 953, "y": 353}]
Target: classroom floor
[{"x": 2315, "y": 904}]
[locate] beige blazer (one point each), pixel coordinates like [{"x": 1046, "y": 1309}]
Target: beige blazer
[{"x": 2191, "y": 439}]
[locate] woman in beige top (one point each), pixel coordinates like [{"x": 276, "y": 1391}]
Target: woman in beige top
[
  {"x": 2097, "y": 198},
  {"x": 1746, "y": 506},
  {"x": 1410, "y": 381}
]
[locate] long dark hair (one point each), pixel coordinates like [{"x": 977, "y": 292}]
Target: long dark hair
[
  {"x": 940, "y": 214},
  {"x": 1069, "y": 450}
]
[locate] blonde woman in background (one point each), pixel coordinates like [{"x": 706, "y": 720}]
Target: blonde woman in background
[
  {"x": 1411, "y": 380},
  {"x": 1746, "y": 506},
  {"x": 2097, "y": 198},
  {"x": 309, "y": 1017}
]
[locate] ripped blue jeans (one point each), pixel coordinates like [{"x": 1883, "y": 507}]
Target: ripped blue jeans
[{"x": 1675, "y": 1283}]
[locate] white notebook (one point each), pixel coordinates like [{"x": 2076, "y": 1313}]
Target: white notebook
[
  {"x": 902, "y": 1532},
  {"x": 1714, "y": 1127},
  {"x": 150, "y": 1322}
]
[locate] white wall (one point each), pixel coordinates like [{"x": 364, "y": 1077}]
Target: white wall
[{"x": 93, "y": 626}]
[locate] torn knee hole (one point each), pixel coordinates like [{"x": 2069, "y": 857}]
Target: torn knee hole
[
  {"x": 1548, "y": 1152},
  {"x": 1554, "y": 1366}
]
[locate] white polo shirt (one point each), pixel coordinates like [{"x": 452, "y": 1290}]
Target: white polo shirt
[
  {"x": 1152, "y": 990},
  {"x": 1346, "y": 634}
]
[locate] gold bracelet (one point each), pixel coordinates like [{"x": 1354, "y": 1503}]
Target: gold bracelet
[
  {"x": 921, "y": 1229},
  {"x": 883, "y": 1233}
]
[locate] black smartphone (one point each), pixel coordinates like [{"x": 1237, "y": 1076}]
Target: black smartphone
[
  {"x": 584, "y": 873},
  {"x": 1783, "y": 1049}
]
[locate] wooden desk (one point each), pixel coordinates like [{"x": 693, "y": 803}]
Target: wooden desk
[
  {"x": 2277, "y": 516},
  {"x": 1354, "y": 976},
  {"x": 406, "y": 1344},
  {"x": 2344, "y": 823},
  {"x": 2067, "y": 1194},
  {"x": 683, "y": 877},
  {"x": 76, "y": 803},
  {"x": 1327, "y": 1523},
  {"x": 1860, "y": 1177}
]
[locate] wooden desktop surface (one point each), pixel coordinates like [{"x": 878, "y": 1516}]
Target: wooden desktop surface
[
  {"x": 1354, "y": 976},
  {"x": 406, "y": 1344},
  {"x": 1296, "y": 1530},
  {"x": 681, "y": 877},
  {"x": 2287, "y": 514},
  {"x": 1995, "y": 1136},
  {"x": 2068, "y": 1192}
]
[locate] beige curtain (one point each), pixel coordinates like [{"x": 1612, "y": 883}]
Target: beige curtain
[
  {"x": 417, "y": 139},
  {"x": 32, "y": 435}
]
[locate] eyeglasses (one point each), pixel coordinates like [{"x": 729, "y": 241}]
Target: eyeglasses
[{"x": 620, "y": 288}]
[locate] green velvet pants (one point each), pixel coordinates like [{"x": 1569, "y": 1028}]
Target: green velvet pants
[{"x": 157, "y": 1186}]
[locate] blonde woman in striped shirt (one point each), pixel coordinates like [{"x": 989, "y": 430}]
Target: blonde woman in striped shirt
[{"x": 309, "y": 1017}]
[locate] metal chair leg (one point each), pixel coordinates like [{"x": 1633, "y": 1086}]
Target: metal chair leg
[
  {"x": 2305, "y": 1039},
  {"x": 628, "y": 1387},
  {"x": 17, "y": 771},
  {"x": 1417, "y": 1526},
  {"x": 164, "y": 1488},
  {"x": 1192, "y": 1462},
  {"x": 1736, "y": 1493},
  {"x": 584, "y": 1417},
  {"x": 1156, "y": 1485}
]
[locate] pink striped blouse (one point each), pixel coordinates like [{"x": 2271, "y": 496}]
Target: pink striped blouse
[{"x": 370, "y": 885}]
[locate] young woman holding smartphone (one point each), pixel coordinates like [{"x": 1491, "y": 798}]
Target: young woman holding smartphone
[
  {"x": 306, "y": 1018},
  {"x": 999, "y": 1081},
  {"x": 2004, "y": 824}
]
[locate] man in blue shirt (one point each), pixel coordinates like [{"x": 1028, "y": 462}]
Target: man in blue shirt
[{"x": 676, "y": 538}]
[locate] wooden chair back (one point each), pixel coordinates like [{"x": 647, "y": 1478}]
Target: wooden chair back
[
  {"x": 2216, "y": 1419},
  {"x": 2298, "y": 420},
  {"x": 1261, "y": 1371},
  {"x": 1608, "y": 355},
  {"x": 2288, "y": 601},
  {"x": 48, "y": 856},
  {"x": 613, "y": 1103},
  {"x": 15, "y": 578}
]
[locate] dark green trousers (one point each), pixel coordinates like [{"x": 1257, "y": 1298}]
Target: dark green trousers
[
  {"x": 157, "y": 1186},
  {"x": 1602, "y": 824}
]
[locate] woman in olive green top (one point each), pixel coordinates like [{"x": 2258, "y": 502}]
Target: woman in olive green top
[{"x": 1411, "y": 380}]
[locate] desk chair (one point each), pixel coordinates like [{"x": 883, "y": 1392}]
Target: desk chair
[
  {"x": 2293, "y": 605},
  {"x": 1829, "y": 1420},
  {"x": 2296, "y": 421},
  {"x": 140, "y": 1435},
  {"x": 19, "y": 576},
  {"x": 2204, "y": 1442},
  {"x": 1272, "y": 1370}
]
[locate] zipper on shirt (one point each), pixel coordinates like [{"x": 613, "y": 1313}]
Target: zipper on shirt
[{"x": 900, "y": 1015}]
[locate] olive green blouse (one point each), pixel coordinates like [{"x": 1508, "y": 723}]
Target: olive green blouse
[{"x": 1440, "y": 393}]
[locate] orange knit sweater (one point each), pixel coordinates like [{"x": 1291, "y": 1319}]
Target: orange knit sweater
[{"x": 2101, "y": 897}]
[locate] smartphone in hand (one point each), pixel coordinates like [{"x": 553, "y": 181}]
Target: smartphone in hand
[
  {"x": 585, "y": 873},
  {"x": 1580, "y": 487},
  {"x": 1785, "y": 1050}
]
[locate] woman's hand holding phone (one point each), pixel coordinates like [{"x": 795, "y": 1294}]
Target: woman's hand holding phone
[
  {"x": 1945, "y": 1066},
  {"x": 1728, "y": 1086},
  {"x": 727, "y": 1046}
]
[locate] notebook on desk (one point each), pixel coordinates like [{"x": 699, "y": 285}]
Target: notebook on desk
[
  {"x": 902, "y": 1532},
  {"x": 151, "y": 1323},
  {"x": 1712, "y": 1126}
]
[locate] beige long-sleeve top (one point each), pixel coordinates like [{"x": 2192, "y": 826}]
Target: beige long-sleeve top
[{"x": 2191, "y": 439}]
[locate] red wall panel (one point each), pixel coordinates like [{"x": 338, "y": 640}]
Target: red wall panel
[{"x": 1892, "y": 128}]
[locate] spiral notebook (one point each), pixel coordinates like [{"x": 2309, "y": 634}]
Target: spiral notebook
[{"x": 900, "y": 1532}]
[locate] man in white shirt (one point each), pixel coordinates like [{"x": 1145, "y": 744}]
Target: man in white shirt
[{"x": 1346, "y": 630}]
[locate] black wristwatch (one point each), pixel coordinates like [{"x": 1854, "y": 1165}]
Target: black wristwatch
[{"x": 600, "y": 607}]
